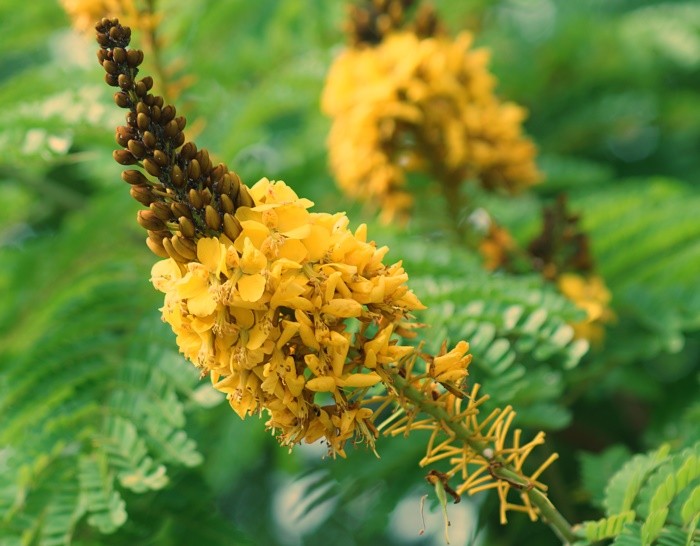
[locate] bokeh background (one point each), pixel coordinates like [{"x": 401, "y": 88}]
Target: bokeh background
[{"x": 97, "y": 408}]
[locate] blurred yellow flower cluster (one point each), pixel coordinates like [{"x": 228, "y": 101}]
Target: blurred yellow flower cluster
[
  {"x": 590, "y": 294},
  {"x": 295, "y": 316},
  {"x": 84, "y": 13},
  {"x": 421, "y": 104}
]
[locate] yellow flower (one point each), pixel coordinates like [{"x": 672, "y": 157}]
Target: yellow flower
[
  {"x": 591, "y": 295},
  {"x": 270, "y": 315},
  {"x": 413, "y": 104}
]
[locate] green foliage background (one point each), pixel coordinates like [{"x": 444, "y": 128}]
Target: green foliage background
[{"x": 106, "y": 435}]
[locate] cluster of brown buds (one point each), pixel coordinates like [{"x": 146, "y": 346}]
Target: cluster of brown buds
[
  {"x": 369, "y": 22},
  {"x": 188, "y": 197}
]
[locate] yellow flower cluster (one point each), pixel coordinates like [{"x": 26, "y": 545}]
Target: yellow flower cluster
[
  {"x": 84, "y": 13},
  {"x": 590, "y": 294},
  {"x": 412, "y": 104},
  {"x": 295, "y": 316}
]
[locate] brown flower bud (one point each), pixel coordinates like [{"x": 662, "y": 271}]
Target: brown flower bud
[
  {"x": 217, "y": 173},
  {"x": 181, "y": 122},
  {"x": 124, "y": 81},
  {"x": 176, "y": 176},
  {"x": 110, "y": 67},
  {"x": 212, "y": 218},
  {"x": 119, "y": 54},
  {"x": 195, "y": 199},
  {"x": 227, "y": 204},
  {"x": 103, "y": 39},
  {"x": 140, "y": 89},
  {"x": 124, "y": 157},
  {"x": 180, "y": 209},
  {"x": 162, "y": 211},
  {"x": 102, "y": 55},
  {"x": 194, "y": 171},
  {"x": 149, "y": 99},
  {"x": 137, "y": 148},
  {"x": 186, "y": 226},
  {"x": 232, "y": 227},
  {"x": 174, "y": 254},
  {"x": 148, "y": 220},
  {"x": 149, "y": 140},
  {"x": 148, "y": 82},
  {"x": 134, "y": 177},
  {"x": 206, "y": 196},
  {"x": 170, "y": 129},
  {"x": 122, "y": 100},
  {"x": 178, "y": 140},
  {"x": 158, "y": 101},
  {"x": 189, "y": 150},
  {"x": 143, "y": 121},
  {"x": 204, "y": 161},
  {"x": 244, "y": 198},
  {"x": 134, "y": 57},
  {"x": 121, "y": 138},
  {"x": 111, "y": 80},
  {"x": 157, "y": 248},
  {"x": 155, "y": 113},
  {"x": 142, "y": 108},
  {"x": 160, "y": 157},
  {"x": 167, "y": 114},
  {"x": 180, "y": 246},
  {"x": 142, "y": 194},
  {"x": 131, "y": 118},
  {"x": 151, "y": 167}
]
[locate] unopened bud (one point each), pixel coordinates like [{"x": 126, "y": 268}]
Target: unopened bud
[
  {"x": 137, "y": 148},
  {"x": 212, "y": 218},
  {"x": 151, "y": 167},
  {"x": 148, "y": 220},
  {"x": 134, "y": 177},
  {"x": 194, "y": 171},
  {"x": 186, "y": 226},
  {"x": 176, "y": 176},
  {"x": 227, "y": 204},
  {"x": 232, "y": 227},
  {"x": 157, "y": 248},
  {"x": 142, "y": 194},
  {"x": 195, "y": 198},
  {"x": 143, "y": 121},
  {"x": 149, "y": 140},
  {"x": 124, "y": 157}
]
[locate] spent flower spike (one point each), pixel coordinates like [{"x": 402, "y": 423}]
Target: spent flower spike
[{"x": 290, "y": 313}]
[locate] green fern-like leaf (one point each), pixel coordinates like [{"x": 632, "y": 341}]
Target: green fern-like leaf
[
  {"x": 656, "y": 495},
  {"x": 99, "y": 388}
]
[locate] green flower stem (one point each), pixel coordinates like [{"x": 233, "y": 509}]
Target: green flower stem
[{"x": 550, "y": 514}]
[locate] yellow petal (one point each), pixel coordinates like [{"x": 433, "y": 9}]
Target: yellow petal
[
  {"x": 164, "y": 274},
  {"x": 360, "y": 380},
  {"x": 201, "y": 305},
  {"x": 321, "y": 384},
  {"x": 251, "y": 287},
  {"x": 342, "y": 308},
  {"x": 209, "y": 254},
  {"x": 252, "y": 260}
]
